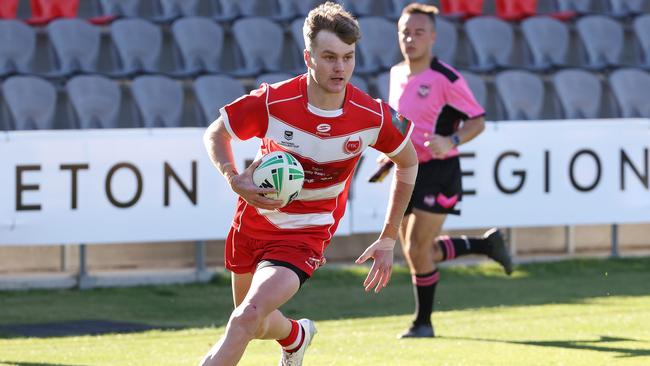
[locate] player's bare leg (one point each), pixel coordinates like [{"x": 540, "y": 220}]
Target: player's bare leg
[{"x": 256, "y": 315}]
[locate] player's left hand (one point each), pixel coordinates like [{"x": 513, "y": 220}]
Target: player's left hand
[
  {"x": 381, "y": 251},
  {"x": 439, "y": 145}
]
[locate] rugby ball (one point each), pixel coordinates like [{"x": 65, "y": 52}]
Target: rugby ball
[{"x": 281, "y": 171}]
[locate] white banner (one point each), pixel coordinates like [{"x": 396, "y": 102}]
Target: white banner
[{"x": 105, "y": 186}]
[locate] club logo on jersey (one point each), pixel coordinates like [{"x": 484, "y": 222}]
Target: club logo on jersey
[
  {"x": 288, "y": 135},
  {"x": 400, "y": 122},
  {"x": 423, "y": 90},
  {"x": 352, "y": 145},
  {"x": 323, "y": 128}
]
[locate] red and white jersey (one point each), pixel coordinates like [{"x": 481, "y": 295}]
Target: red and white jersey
[{"x": 327, "y": 143}]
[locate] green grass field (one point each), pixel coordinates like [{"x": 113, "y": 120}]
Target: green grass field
[{"x": 579, "y": 312}]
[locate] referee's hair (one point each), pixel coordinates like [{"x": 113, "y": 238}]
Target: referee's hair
[{"x": 419, "y": 8}]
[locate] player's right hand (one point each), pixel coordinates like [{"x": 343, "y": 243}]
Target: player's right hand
[{"x": 243, "y": 185}]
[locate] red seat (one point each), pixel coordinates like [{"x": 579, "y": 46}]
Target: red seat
[
  {"x": 462, "y": 8},
  {"x": 8, "y": 9},
  {"x": 510, "y": 10},
  {"x": 44, "y": 11}
]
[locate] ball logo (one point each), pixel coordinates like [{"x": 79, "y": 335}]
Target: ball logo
[
  {"x": 323, "y": 128},
  {"x": 352, "y": 145}
]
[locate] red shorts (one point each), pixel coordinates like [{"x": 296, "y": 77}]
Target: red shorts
[{"x": 243, "y": 253}]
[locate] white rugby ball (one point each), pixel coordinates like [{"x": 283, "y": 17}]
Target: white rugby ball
[{"x": 282, "y": 171}]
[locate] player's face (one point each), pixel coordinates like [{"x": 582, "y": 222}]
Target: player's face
[
  {"x": 416, "y": 36},
  {"x": 330, "y": 62}
]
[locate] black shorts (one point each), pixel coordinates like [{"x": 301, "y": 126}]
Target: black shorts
[
  {"x": 438, "y": 187},
  {"x": 302, "y": 275}
]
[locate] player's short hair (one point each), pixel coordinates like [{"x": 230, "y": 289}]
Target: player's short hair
[
  {"x": 425, "y": 9},
  {"x": 330, "y": 17}
]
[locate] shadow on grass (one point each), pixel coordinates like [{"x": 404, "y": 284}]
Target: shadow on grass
[
  {"x": 74, "y": 328},
  {"x": 600, "y": 345}
]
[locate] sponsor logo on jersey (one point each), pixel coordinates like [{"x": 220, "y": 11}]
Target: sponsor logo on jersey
[
  {"x": 352, "y": 145},
  {"x": 423, "y": 90},
  {"x": 323, "y": 128},
  {"x": 400, "y": 122},
  {"x": 288, "y": 135}
]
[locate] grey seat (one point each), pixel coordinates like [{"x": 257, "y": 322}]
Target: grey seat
[
  {"x": 547, "y": 40},
  {"x": 296, "y": 33},
  {"x": 631, "y": 88},
  {"x": 123, "y": 8},
  {"x": 477, "y": 86},
  {"x": 382, "y": 84},
  {"x": 173, "y": 9},
  {"x": 272, "y": 78},
  {"x": 96, "y": 101},
  {"x": 379, "y": 47},
  {"x": 138, "y": 44},
  {"x": 492, "y": 42},
  {"x": 625, "y": 8},
  {"x": 261, "y": 42},
  {"x": 299, "y": 7},
  {"x": 602, "y": 38},
  {"x": 641, "y": 27},
  {"x": 446, "y": 40},
  {"x": 76, "y": 45},
  {"x": 214, "y": 92},
  {"x": 17, "y": 47},
  {"x": 521, "y": 93},
  {"x": 272, "y": 9},
  {"x": 578, "y": 6},
  {"x": 31, "y": 102},
  {"x": 225, "y": 10},
  {"x": 159, "y": 99},
  {"x": 579, "y": 93},
  {"x": 367, "y": 7},
  {"x": 360, "y": 83},
  {"x": 199, "y": 41}
]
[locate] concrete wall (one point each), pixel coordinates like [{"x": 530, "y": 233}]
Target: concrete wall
[{"x": 633, "y": 239}]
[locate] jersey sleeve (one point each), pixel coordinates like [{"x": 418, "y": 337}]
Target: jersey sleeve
[
  {"x": 247, "y": 116},
  {"x": 460, "y": 96},
  {"x": 394, "y": 133}
]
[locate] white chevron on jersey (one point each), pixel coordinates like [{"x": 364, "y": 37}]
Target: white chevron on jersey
[
  {"x": 283, "y": 220},
  {"x": 321, "y": 193}
]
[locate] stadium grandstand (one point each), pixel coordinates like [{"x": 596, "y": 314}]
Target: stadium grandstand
[{"x": 75, "y": 65}]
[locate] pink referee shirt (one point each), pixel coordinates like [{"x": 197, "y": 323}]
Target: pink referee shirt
[{"x": 435, "y": 100}]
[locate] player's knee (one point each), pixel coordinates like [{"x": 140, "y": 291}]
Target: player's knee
[
  {"x": 417, "y": 247},
  {"x": 246, "y": 319}
]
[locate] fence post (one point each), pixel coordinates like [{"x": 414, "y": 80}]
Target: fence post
[
  {"x": 614, "y": 253},
  {"x": 202, "y": 275},
  {"x": 84, "y": 282}
]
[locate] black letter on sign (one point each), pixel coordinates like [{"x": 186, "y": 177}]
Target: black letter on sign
[
  {"x": 109, "y": 178},
  {"x": 518, "y": 173},
  {"x": 20, "y": 187},
  {"x": 467, "y": 173},
  {"x": 642, "y": 177},
  {"x": 573, "y": 178},
  {"x": 169, "y": 172},
  {"x": 73, "y": 168}
]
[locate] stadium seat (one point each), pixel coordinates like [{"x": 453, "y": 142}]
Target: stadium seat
[
  {"x": 360, "y": 83},
  {"x": 515, "y": 10},
  {"x": 31, "y": 102},
  {"x": 272, "y": 78},
  {"x": 477, "y": 86},
  {"x": 521, "y": 93},
  {"x": 17, "y": 47},
  {"x": 296, "y": 33},
  {"x": 382, "y": 85},
  {"x": 8, "y": 9},
  {"x": 631, "y": 88},
  {"x": 379, "y": 47},
  {"x": 547, "y": 40},
  {"x": 299, "y": 7},
  {"x": 576, "y": 6},
  {"x": 363, "y": 8},
  {"x": 96, "y": 101},
  {"x": 44, "y": 11},
  {"x": 225, "y": 10},
  {"x": 76, "y": 46},
  {"x": 199, "y": 41},
  {"x": 462, "y": 8},
  {"x": 579, "y": 93},
  {"x": 120, "y": 8},
  {"x": 214, "y": 92},
  {"x": 263, "y": 8},
  {"x": 159, "y": 99},
  {"x": 492, "y": 42},
  {"x": 398, "y": 5},
  {"x": 602, "y": 38},
  {"x": 446, "y": 40},
  {"x": 171, "y": 10},
  {"x": 641, "y": 27},
  {"x": 138, "y": 44},
  {"x": 627, "y": 8},
  {"x": 261, "y": 42}
]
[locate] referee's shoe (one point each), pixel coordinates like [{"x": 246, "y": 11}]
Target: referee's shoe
[{"x": 498, "y": 250}]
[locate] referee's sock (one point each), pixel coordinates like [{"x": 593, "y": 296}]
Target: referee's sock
[
  {"x": 425, "y": 291},
  {"x": 463, "y": 245}
]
